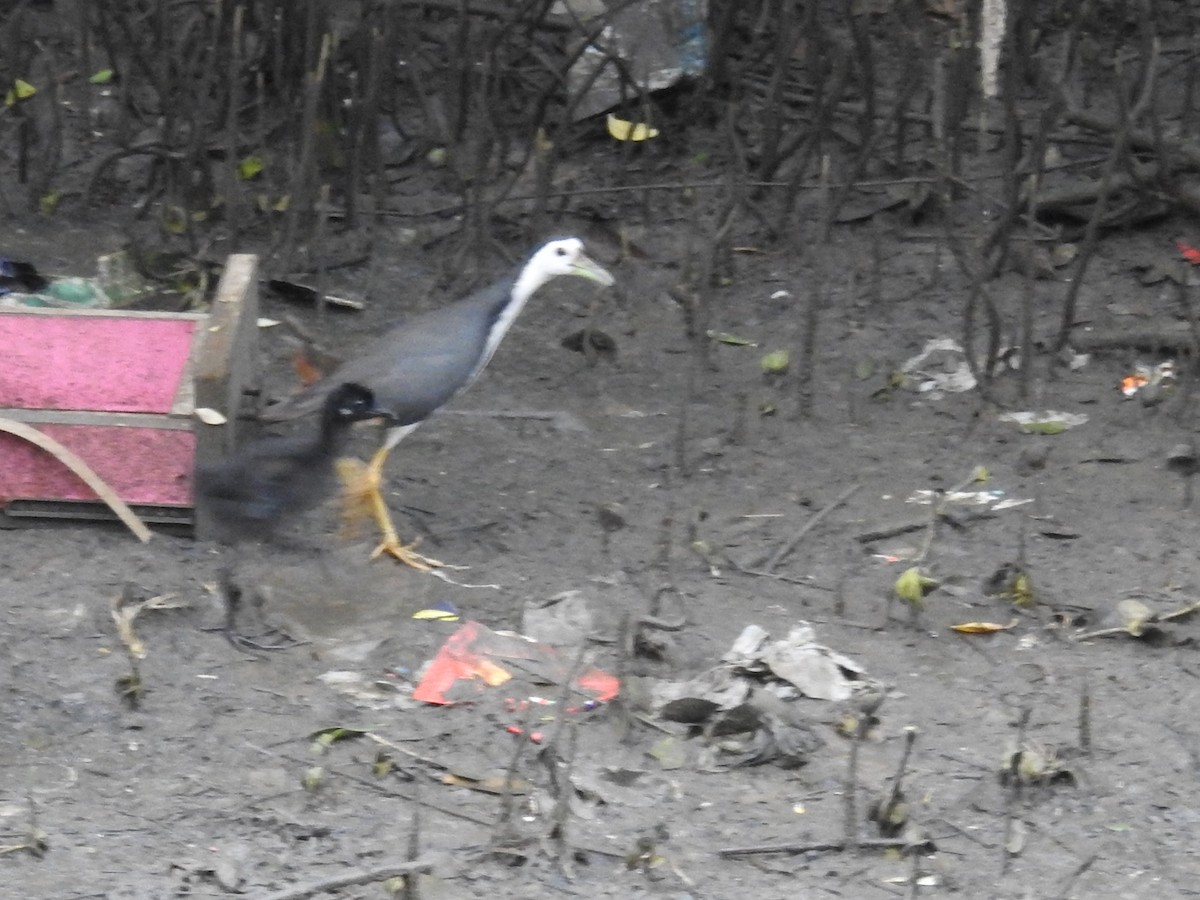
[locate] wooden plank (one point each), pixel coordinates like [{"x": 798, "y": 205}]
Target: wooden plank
[
  {"x": 98, "y": 313},
  {"x": 87, "y": 417},
  {"x": 225, "y": 367}
]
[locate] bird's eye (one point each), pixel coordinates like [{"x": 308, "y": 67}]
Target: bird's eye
[{"x": 561, "y": 251}]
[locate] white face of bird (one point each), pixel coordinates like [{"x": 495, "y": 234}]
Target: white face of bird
[{"x": 566, "y": 257}]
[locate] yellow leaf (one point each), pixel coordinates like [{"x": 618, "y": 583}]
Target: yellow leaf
[
  {"x": 912, "y": 586},
  {"x": 981, "y": 474},
  {"x": 23, "y": 89},
  {"x": 624, "y": 130},
  {"x": 982, "y": 627},
  {"x": 436, "y": 615}
]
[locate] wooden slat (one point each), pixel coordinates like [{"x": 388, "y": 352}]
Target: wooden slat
[
  {"x": 98, "y": 313},
  {"x": 88, "y": 417},
  {"x": 225, "y": 366}
]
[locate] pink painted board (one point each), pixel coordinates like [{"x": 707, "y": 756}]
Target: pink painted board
[
  {"x": 151, "y": 466},
  {"x": 105, "y": 364}
]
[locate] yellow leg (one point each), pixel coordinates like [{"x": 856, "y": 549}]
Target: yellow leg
[{"x": 364, "y": 496}]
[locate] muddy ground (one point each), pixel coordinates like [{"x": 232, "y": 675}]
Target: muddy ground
[
  {"x": 205, "y": 776},
  {"x": 201, "y": 789}
]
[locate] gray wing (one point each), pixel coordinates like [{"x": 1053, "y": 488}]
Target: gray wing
[{"x": 417, "y": 366}]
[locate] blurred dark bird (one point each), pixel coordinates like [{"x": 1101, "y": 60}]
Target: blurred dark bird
[
  {"x": 250, "y": 492},
  {"x": 419, "y": 366},
  {"x": 254, "y": 490}
]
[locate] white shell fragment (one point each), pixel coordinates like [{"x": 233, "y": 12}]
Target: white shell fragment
[{"x": 210, "y": 416}]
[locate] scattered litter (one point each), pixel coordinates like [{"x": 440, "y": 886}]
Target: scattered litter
[
  {"x": 993, "y": 500},
  {"x": 116, "y": 284},
  {"x": 466, "y": 665},
  {"x": 654, "y": 44},
  {"x": 1045, "y": 422},
  {"x": 813, "y": 669},
  {"x": 1144, "y": 376},
  {"x": 940, "y": 368},
  {"x": 744, "y": 701},
  {"x": 19, "y": 276}
]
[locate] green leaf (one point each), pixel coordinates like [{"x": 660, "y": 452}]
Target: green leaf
[
  {"x": 250, "y": 167},
  {"x": 48, "y": 202},
  {"x": 776, "y": 362},
  {"x": 327, "y": 737},
  {"x": 23, "y": 89},
  {"x": 174, "y": 219},
  {"x": 724, "y": 337},
  {"x": 104, "y": 76},
  {"x": 912, "y": 586}
]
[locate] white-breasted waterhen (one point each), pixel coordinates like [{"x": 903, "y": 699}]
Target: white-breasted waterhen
[
  {"x": 420, "y": 365},
  {"x": 255, "y": 489}
]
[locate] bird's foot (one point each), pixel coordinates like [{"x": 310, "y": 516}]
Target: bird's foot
[
  {"x": 232, "y": 594},
  {"x": 273, "y": 638},
  {"x": 407, "y": 554},
  {"x": 279, "y": 640}
]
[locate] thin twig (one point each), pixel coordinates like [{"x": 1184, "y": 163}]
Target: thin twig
[
  {"x": 1120, "y": 147},
  {"x": 815, "y": 847},
  {"x": 336, "y": 882},
  {"x": 790, "y": 544}
]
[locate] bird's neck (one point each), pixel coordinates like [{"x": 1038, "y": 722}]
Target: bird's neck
[
  {"x": 333, "y": 434},
  {"x": 528, "y": 280}
]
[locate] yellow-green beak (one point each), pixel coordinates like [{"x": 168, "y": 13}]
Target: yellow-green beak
[{"x": 585, "y": 267}]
